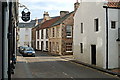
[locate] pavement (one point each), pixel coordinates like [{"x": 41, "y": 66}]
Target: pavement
[{"x": 111, "y": 71}]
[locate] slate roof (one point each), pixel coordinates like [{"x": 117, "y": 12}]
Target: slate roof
[
  {"x": 61, "y": 19},
  {"x": 39, "y": 20},
  {"x": 48, "y": 23},
  {"x": 26, "y": 25},
  {"x": 30, "y": 24}
]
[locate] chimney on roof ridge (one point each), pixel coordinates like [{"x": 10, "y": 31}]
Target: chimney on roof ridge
[
  {"x": 36, "y": 23},
  {"x": 76, "y": 5},
  {"x": 45, "y": 16},
  {"x": 63, "y": 13}
]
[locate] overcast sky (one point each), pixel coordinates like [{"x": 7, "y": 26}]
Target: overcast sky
[{"x": 53, "y": 7}]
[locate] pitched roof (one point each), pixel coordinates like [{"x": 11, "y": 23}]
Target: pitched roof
[
  {"x": 39, "y": 20},
  {"x": 26, "y": 25},
  {"x": 61, "y": 19},
  {"x": 30, "y": 24},
  {"x": 48, "y": 23}
]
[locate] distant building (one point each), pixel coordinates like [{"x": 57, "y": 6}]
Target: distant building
[
  {"x": 38, "y": 21},
  {"x": 25, "y": 33},
  {"x": 95, "y": 35},
  {"x": 42, "y": 32}
]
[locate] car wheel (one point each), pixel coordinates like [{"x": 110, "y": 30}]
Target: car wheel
[{"x": 23, "y": 55}]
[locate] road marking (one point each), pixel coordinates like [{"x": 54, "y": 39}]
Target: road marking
[{"x": 67, "y": 75}]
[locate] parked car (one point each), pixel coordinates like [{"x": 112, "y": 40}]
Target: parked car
[
  {"x": 28, "y": 51},
  {"x": 21, "y": 48}
]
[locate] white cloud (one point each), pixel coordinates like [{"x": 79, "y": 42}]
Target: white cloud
[
  {"x": 57, "y": 1},
  {"x": 37, "y": 7}
]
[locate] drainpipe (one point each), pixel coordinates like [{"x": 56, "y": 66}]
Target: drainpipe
[
  {"x": 9, "y": 38},
  {"x": 106, "y": 36}
]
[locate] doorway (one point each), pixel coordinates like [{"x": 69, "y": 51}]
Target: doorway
[{"x": 93, "y": 54}]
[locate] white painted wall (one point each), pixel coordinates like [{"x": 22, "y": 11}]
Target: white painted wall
[
  {"x": 22, "y": 38},
  {"x": 89, "y": 36},
  {"x": 113, "y": 35},
  {"x": 86, "y": 14}
]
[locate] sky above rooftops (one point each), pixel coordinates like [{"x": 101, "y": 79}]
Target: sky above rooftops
[{"x": 53, "y": 7}]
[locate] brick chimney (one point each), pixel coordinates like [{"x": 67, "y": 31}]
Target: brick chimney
[
  {"x": 63, "y": 13},
  {"x": 46, "y": 15},
  {"x": 76, "y": 5},
  {"x": 36, "y": 21}
]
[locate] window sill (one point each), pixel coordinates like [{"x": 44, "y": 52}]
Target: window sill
[
  {"x": 69, "y": 51},
  {"x": 69, "y": 37}
]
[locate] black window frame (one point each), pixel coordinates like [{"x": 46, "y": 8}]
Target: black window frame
[
  {"x": 81, "y": 47},
  {"x": 81, "y": 27},
  {"x": 113, "y": 24}
]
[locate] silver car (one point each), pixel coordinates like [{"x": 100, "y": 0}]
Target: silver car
[{"x": 28, "y": 51}]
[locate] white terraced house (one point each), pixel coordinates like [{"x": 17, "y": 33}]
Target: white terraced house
[{"x": 97, "y": 34}]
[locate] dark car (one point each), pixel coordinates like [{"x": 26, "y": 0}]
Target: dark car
[{"x": 28, "y": 51}]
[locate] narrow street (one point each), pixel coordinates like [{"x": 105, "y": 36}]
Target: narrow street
[{"x": 46, "y": 66}]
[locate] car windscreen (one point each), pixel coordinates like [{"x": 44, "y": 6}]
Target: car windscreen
[{"x": 29, "y": 49}]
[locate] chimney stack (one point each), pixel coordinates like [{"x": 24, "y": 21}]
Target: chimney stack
[
  {"x": 36, "y": 21},
  {"x": 76, "y": 5},
  {"x": 46, "y": 15},
  {"x": 63, "y": 13}
]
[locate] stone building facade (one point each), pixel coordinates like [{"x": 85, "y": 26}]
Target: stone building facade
[{"x": 61, "y": 33}]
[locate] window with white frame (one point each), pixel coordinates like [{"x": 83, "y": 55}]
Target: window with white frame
[
  {"x": 37, "y": 44},
  {"x": 42, "y": 34},
  {"x": 68, "y": 47},
  {"x": 38, "y": 34},
  {"x": 68, "y": 31},
  {"x": 46, "y": 33},
  {"x": 57, "y": 45},
  {"x": 46, "y": 45}
]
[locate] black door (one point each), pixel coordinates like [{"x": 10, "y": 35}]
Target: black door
[{"x": 93, "y": 54}]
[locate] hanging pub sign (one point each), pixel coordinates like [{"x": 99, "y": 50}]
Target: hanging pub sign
[{"x": 25, "y": 15}]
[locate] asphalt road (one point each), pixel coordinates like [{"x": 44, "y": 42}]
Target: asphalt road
[{"x": 46, "y": 66}]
